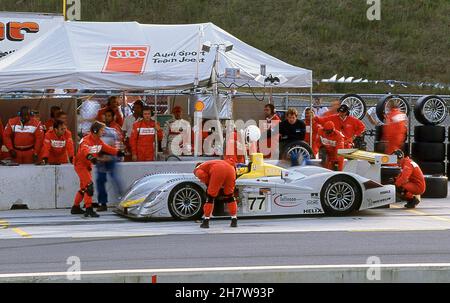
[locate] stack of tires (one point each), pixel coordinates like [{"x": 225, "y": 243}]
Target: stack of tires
[
  {"x": 381, "y": 110},
  {"x": 428, "y": 149}
]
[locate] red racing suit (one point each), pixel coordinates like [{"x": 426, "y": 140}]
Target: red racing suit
[
  {"x": 350, "y": 127},
  {"x": 411, "y": 179},
  {"x": 89, "y": 145},
  {"x": 315, "y": 128},
  {"x": 218, "y": 174},
  {"x": 331, "y": 143},
  {"x": 142, "y": 140},
  {"x": 394, "y": 130},
  {"x": 26, "y": 140},
  {"x": 48, "y": 125},
  {"x": 58, "y": 150},
  {"x": 117, "y": 115}
]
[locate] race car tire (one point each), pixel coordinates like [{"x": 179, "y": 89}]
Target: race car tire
[
  {"x": 388, "y": 174},
  {"x": 429, "y": 133},
  {"x": 379, "y": 146},
  {"x": 428, "y": 152},
  {"x": 186, "y": 201},
  {"x": 381, "y": 105},
  {"x": 430, "y": 110},
  {"x": 296, "y": 146},
  {"x": 378, "y": 132},
  {"x": 340, "y": 195},
  {"x": 432, "y": 168},
  {"x": 356, "y": 104},
  {"x": 437, "y": 187}
]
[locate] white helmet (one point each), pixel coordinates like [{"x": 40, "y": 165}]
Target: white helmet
[{"x": 252, "y": 134}]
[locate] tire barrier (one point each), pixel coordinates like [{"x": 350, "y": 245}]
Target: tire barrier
[
  {"x": 429, "y": 134},
  {"x": 428, "y": 152}
]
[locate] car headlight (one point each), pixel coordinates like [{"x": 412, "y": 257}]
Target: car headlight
[{"x": 151, "y": 198}]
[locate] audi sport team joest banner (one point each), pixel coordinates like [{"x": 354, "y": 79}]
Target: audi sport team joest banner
[{"x": 129, "y": 55}]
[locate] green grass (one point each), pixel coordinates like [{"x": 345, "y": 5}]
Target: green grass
[{"x": 411, "y": 42}]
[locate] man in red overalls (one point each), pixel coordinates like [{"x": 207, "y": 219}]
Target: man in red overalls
[
  {"x": 90, "y": 146},
  {"x": 142, "y": 140},
  {"x": 48, "y": 125},
  {"x": 23, "y": 137},
  {"x": 329, "y": 141},
  {"x": 411, "y": 182},
  {"x": 58, "y": 145},
  {"x": 394, "y": 129},
  {"x": 217, "y": 175},
  {"x": 349, "y": 126},
  {"x": 315, "y": 128},
  {"x": 113, "y": 104}
]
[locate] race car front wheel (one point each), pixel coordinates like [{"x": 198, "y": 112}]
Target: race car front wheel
[
  {"x": 186, "y": 201},
  {"x": 340, "y": 195}
]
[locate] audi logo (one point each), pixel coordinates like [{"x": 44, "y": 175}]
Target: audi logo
[{"x": 127, "y": 54}]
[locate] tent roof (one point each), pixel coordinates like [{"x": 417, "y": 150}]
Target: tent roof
[{"x": 85, "y": 55}]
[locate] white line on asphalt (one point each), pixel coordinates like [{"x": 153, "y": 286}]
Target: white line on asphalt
[{"x": 218, "y": 269}]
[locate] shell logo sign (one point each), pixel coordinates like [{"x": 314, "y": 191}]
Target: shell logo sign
[
  {"x": 126, "y": 59},
  {"x": 199, "y": 106},
  {"x": 15, "y": 31}
]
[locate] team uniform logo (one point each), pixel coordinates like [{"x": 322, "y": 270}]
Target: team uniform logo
[{"x": 126, "y": 59}]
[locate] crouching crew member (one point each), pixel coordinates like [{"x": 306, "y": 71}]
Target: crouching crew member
[
  {"x": 411, "y": 182},
  {"x": 58, "y": 145},
  {"x": 24, "y": 137},
  {"x": 329, "y": 141},
  {"x": 218, "y": 174},
  {"x": 90, "y": 146}
]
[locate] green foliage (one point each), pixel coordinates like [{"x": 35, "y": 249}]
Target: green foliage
[{"x": 411, "y": 42}]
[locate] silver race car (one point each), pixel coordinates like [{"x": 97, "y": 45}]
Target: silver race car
[{"x": 262, "y": 190}]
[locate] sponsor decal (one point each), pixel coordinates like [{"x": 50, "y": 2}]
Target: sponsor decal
[
  {"x": 311, "y": 211},
  {"x": 287, "y": 201},
  {"x": 147, "y": 131},
  {"x": 126, "y": 59},
  {"x": 15, "y": 31},
  {"x": 312, "y": 202},
  {"x": 315, "y": 195},
  {"x": 58, "y": 143},
  {"x": 372, "y": 202},
  {"x": 385, "y": 192}
]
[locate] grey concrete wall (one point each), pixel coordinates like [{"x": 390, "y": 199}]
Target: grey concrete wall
[{"x": 46, "y": 187}]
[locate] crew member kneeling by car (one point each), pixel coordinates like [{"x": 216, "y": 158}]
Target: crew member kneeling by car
[
  {"x": 329, "y": 141},
  {"x": 411, "y": 182},
  {"x": 90, "y": 146},
  {"x": 218, "y": 174}
]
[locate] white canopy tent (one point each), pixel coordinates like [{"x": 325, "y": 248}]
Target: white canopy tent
[{"x": 129, "y": 55}]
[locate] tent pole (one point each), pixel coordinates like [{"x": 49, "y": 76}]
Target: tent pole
[
  {"x": 65, "y": 9},
  {"x": 310, "y": 116},
  {"x": 156, "y": 121}
]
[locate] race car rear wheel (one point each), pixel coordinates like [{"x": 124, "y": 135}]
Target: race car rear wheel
[
  {"x": 186, "y": 201},
  {"x": 340, "y": 195},
  {"x": 300, "y": 148}
]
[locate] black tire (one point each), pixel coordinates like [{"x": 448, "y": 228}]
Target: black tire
[
  {"x": 296, "y": 145},
  {"x": 388, "y": 174},
  {"x": 378, "y": 132},
  {"x": 172, "y": 158},
  {"x": 381, "y": 105},
  {"x": 197, "y": 192},
  {"x": 428, "y": 152},
  {"x": 430, "y": 110},
  {"x": 429, "y": 133},
  {"x": 356, "y": 104},
  {"x": 349, "y": 185},
  {"x": 432, "y": 168},
  {"x": 437, "y": 187},
  {"x": 379, "y": 146}
]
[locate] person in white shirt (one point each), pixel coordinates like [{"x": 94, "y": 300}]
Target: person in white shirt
[
  {"x": 373, "y": 117},
  {"x": 318, "y": 109},
  {"x": 172, "y": 142}
]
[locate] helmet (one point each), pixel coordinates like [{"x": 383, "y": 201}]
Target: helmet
[
  {"x": 399, "y": 153},
  {"x": 329, "y": 125},
  {"x": 343, "y": 108},
  {"x": 252, "y": 134}
]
